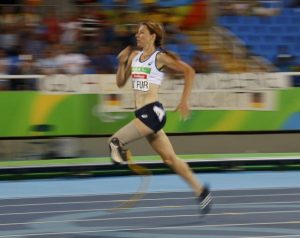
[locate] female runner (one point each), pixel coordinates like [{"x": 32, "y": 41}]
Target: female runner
[{"x": 146, "y": 68}]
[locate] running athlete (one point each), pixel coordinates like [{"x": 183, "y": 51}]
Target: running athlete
[{"x": 146, "y": 69}]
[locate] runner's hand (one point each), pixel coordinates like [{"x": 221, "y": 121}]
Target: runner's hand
[
  {"x": 124, "y": 55},
  {"x": 184, "y": 110}
]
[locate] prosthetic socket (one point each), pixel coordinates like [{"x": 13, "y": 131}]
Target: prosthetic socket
[{"x": 125, "y": 135}]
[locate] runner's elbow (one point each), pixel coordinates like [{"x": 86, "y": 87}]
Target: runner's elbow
[
  {"x": 120, "y": 82},
  {"x": 190, "y": 73}
]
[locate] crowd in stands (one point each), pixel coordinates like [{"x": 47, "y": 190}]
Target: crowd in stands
[
  {"x": 246, "y": 8},
  {"x": 32, "y": 43},
  {"x": 285, "y": 61},
  {"x": 84, "y": 42}
]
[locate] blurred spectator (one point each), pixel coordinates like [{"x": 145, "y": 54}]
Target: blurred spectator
[
  {"x": 48, "y": 63},
  {"x": 70, "y": 28},
  {"x": 120, "y": 8},
  {"x": 84, "y": 45},
  {"x": 71, "y": 62},
  {"x": 151, "y": 11},
  {"x": 296, "y": 66},
  {"x": 33, "y": 2},
  {"x": 124, "y": 36},
  {"x": 84, "y": 36},
  {"x": 284, "y": 60},
  {"x": 108, "y": 35},
  {"x": 52, "y": 29},
  {"x": 246, "y": 7},
  {"x": 199, "y": 63},
  {"x": 82, "y": 2},
  {"x": 149, "y": 6},
  {"x": 258, "y": 9},
  {"x": 31, "y": 17},
  {"x": 254, "y": 63},
  {"x": 34, "y": 44},
  {"x": 4, "y": 70},
  {"x": 9, "y": 39},
  {"x": 26, "y": 66},
  {"x": 171, "y": 21},
  {"x": 206, "y": 63},
  {"x": 102, "y": 61},
  {"x": 9, "y": 16},
  {"x": 214, "y": 65},
  {"x": 91, "y": 21},
  {"x": 4, "y": 62}
]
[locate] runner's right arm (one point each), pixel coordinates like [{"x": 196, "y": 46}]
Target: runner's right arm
[{"x": 124, "y": 68}]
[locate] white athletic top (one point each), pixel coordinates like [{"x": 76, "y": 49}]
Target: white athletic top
[{"x": 143, "y": 73}]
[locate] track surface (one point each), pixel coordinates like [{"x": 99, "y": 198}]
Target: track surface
[{"x": 269, "y": 212}]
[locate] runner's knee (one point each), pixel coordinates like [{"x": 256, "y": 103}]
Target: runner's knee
[
  {"x": 127, "y": 134},
  {"x": 169, "y": 159}
]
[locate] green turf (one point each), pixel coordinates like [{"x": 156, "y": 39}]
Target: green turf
[{"x": 154, "y": 158}]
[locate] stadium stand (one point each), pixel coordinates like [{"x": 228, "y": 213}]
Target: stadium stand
[
  {"x": 248, "y": 36},
  {"x": 265, "y": 35}
]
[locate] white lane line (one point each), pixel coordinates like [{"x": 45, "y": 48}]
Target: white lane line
[
  {"x": 256, "y": 203},
  {"x": 149, "y": 228},
  {"x": 150, "y": 207},
  {"x": 242, "y": 190},
  {"x": 148, "y": 217},
  {"x": 144, "y": 199},
  {"x": 281, "y": 236}
]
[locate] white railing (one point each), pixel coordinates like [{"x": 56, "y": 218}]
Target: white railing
[{"x": 214, "y": 91}]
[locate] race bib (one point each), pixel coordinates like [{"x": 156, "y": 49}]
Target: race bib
[{"x": 140, "y": 82}]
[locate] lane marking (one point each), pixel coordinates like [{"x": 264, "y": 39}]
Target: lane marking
[
  {"x": 149, "y": 228},
  {"x": 149, "y": 217},
  {"x": 243, "y": 190},
  {"x": 281, "y": 236},
  {"x": 144, "y": 199},
  {"x": 151, "y": 207}
]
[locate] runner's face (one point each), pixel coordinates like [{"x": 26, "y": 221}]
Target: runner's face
[{"x": 143, "y": 37}]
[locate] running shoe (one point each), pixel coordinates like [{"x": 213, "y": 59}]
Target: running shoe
[{"x": 205, "y": 201}]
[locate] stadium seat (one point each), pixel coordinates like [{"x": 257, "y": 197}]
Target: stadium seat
[
  {"x": 271, "y": 38},
  {"x": 244, "y": 28},
  {"x": 275, "y": 30},
  {"x": 259, "y": 29},
  {"x": 296, "y": 48},
  {"x": 250, "y": 20},
  {"x": 172, "y": 47},
  {"x": 266, "y": 21},
  {"x": 279, "y": 20},
  {"x": 295, "y": 20},
  {"x": 254, "y": 39},
  {"x": 287, "y": 12},
  {"x": 263, "y": 35}
]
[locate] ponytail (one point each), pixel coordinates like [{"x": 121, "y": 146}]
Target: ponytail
[
  {"x": 158, "y": 30},
  {"x": 173, "y": 55}
]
